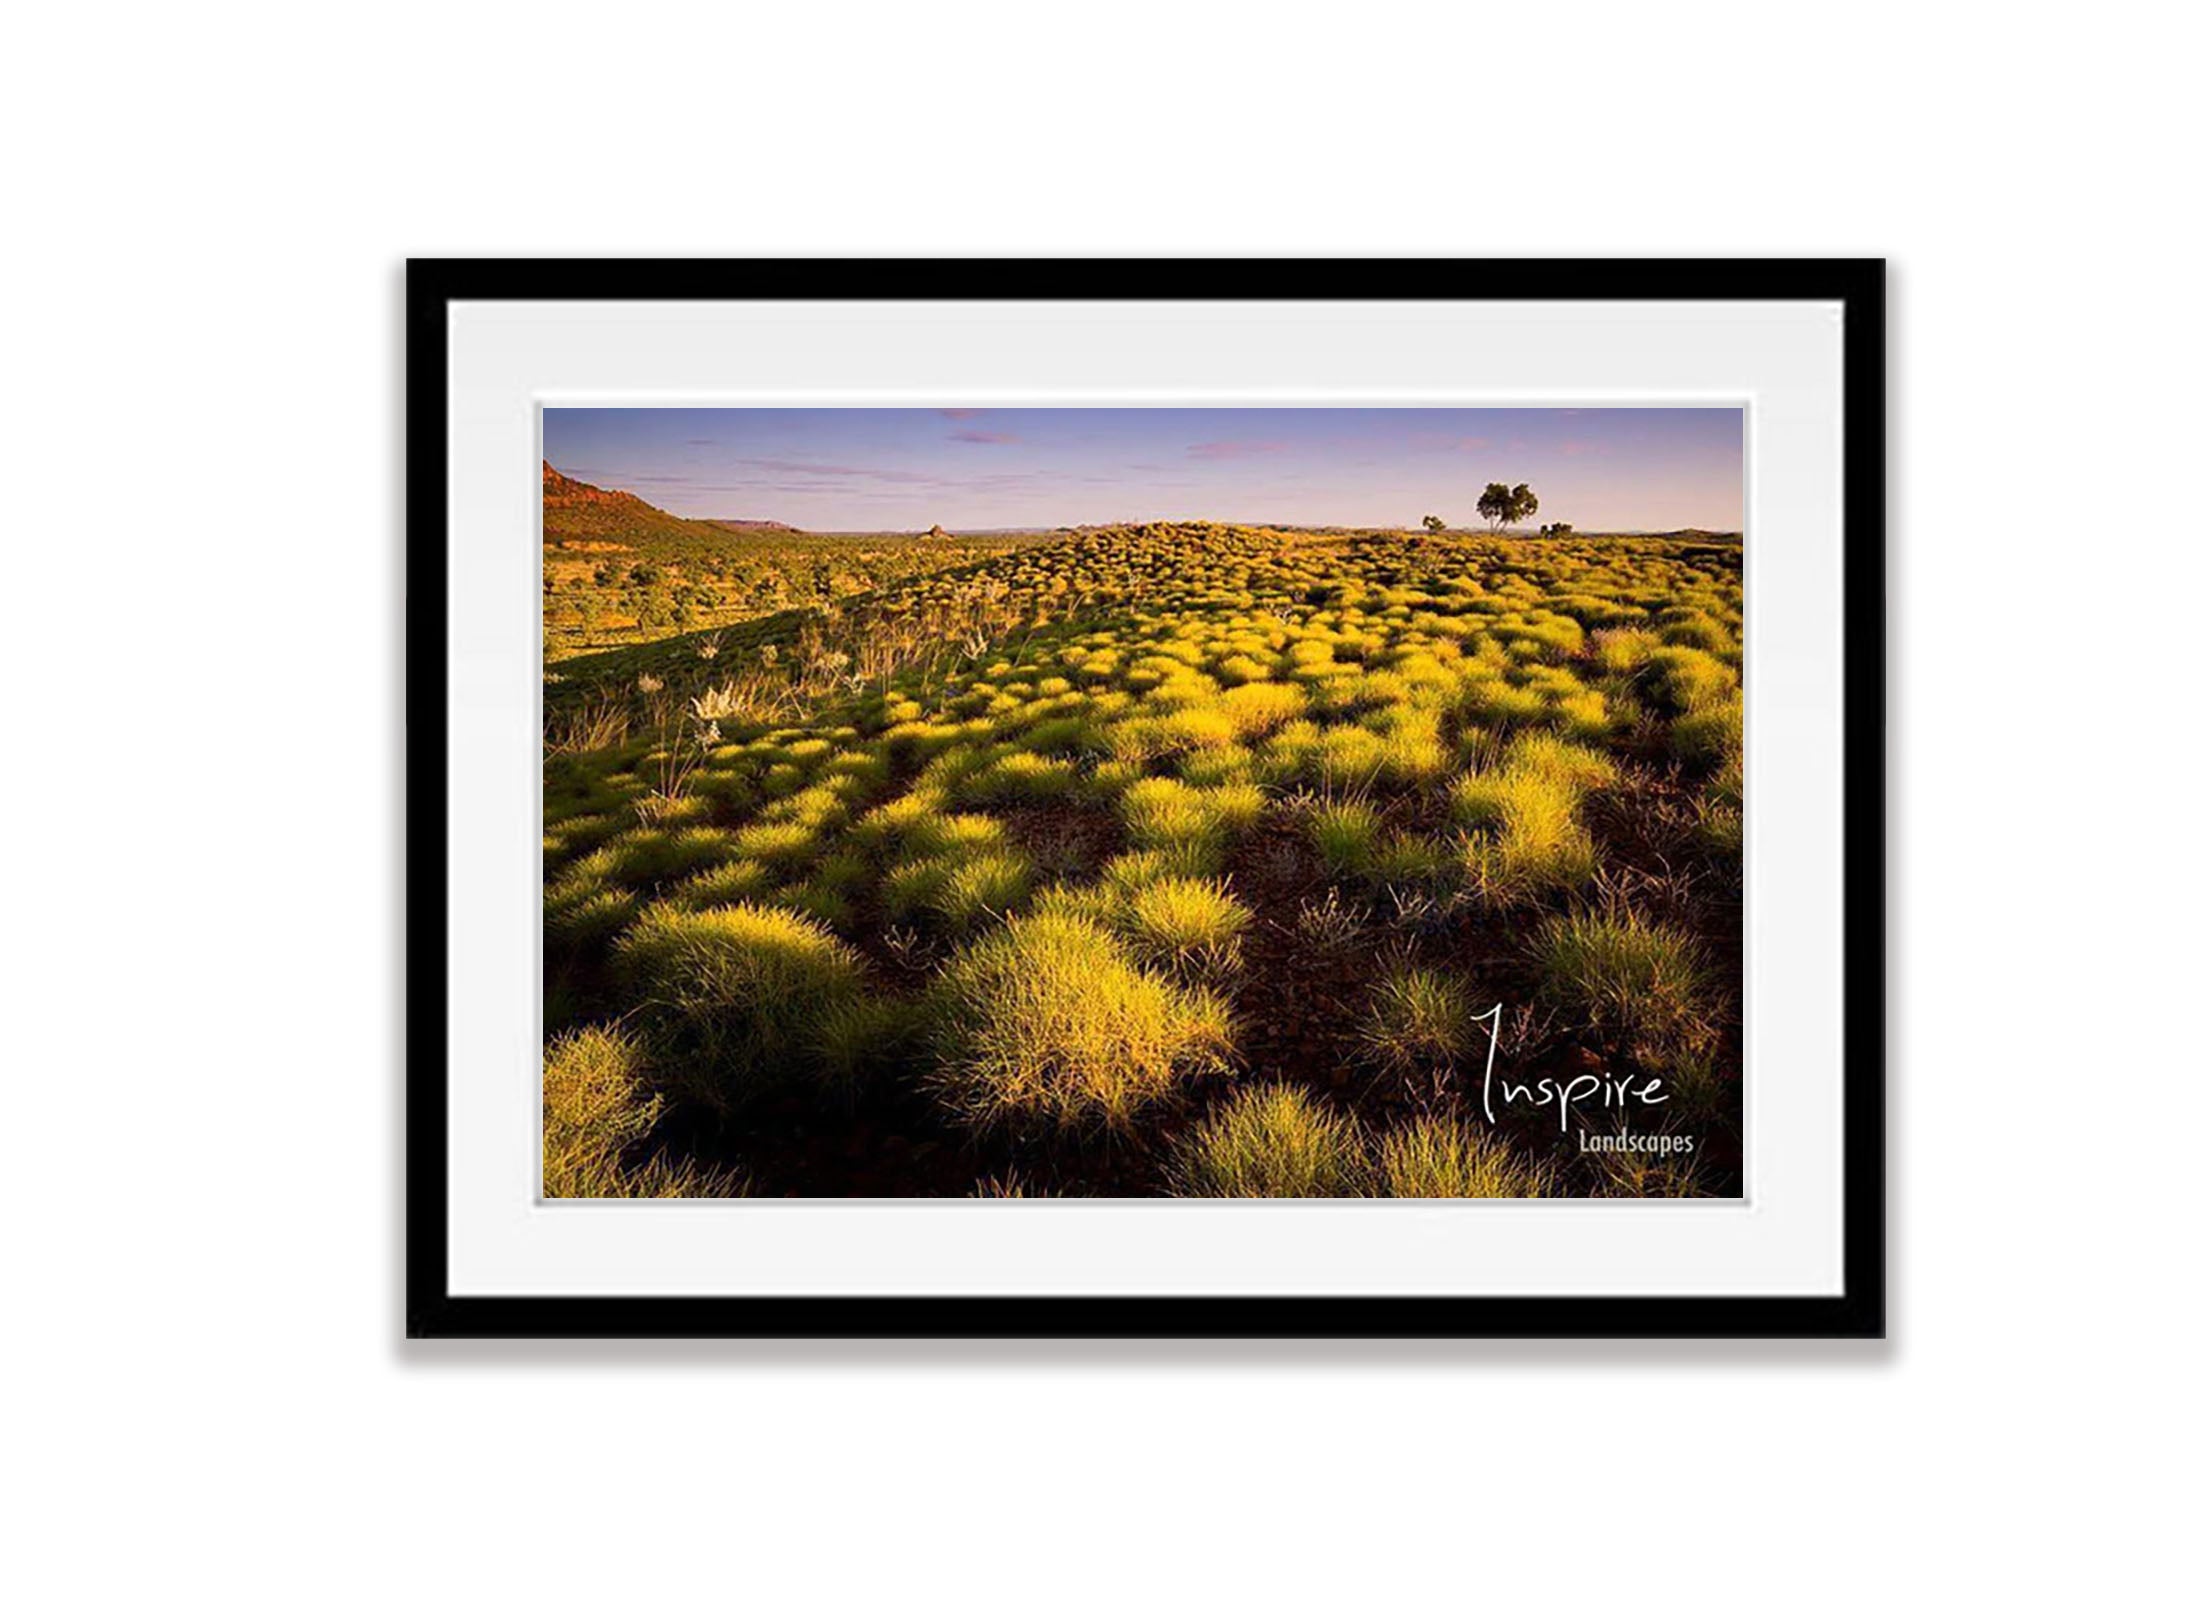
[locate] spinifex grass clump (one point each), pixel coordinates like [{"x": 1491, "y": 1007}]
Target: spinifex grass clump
[
  {"x": 1418, "y": 1018},
  {"x": 1523, "y": 813},
  {"x": 1046, "y": 1022},
  {"x": 735, "y": 992},
  {"x": 1346, "y": 834},
  {"x": 958, "y": 888},
  {"x": 729, "y": 885},
  {"x": 1187, "y": 924},
  {"x": 1433, "y": 1158},
  {"x": 1191, "y": 826},
  {"x": 649, "y": 856},
  {"x": 1630, "y": 981},
  {"x": 1678, "y": 679},
  {"x": 1021, "y": 776},
  {"x": 1271, "y": 1142},
  {"x": 597, "y": 1108},
  {"x": 583, "y": 909},
  {"x": 1709, "y": 735}
]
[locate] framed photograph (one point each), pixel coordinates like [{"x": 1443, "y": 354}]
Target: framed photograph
[{"x": 1146, "y": 798}]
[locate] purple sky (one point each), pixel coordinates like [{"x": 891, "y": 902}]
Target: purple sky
[{"x": 835, "y": 469}]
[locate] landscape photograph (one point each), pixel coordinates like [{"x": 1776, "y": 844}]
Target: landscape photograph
[{"x": 1142, "y": 803}]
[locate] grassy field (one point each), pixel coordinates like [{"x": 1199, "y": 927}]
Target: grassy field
[
  {"x": 617, "y": 571},
  {"x": 1164, "y": 860}
]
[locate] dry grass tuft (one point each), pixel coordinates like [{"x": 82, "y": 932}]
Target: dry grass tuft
[
  {"x": 1434, "y": 1158},
  {"x": 1046, "y": 1022},
  {"x": 1630, "y": 981},
  {"x": 596, "y": 1109},
  {"x": 1271, "y": 1142},
  {"x": 738, "y": 990}
]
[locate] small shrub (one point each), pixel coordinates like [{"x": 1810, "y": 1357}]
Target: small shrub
[
  {"x": 1696, "y": 1083},
  {"x": 1410, "y": 860},
  {"x": 1524, "y": 816},
  {"x": 952, "y": 834},
  {"x": 1623, "y": 650},
  {"x": 1190, "y": 825},
  {"x": 1061, "y": 736},
  {"x": 1437, "y": 1159},
  {"x": 1046, "y": 1022},
  {"x": 1706, "y": 737},
  {"x": 1413, "y": 745},
  {"x": 1254, "y": 708},
  {"x": 1270, "y": 1142},
  {"x": 727, "y": 885},
  {"x": 1022, "y": 775},
  {"x": 1416, "y": 1018},
  {"x": 1186, "y": 923},
  {"x": 777, "y": 844},
  {"x": 1719, "y": 829},
  {"x": 1331, "y": 925},
  {"x": 596, "y": 1109},
  {"x": 1629, "y": 981},
  {"x": 650, "y": 856},
  {"x": 1215, "y": 769},
  {"x": 820, "y": 902},
  {"x": 736, "y": 991},
  {"x": 980, "y": 885},
  {"x": 1697, "y": 632},
  {"x": 1347, "y": 834},
  {"x": 1680, "y": 679}
]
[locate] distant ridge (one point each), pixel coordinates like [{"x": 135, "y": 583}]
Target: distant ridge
[
  {"x": 581, "y": 514},
  {"x": 747, "y": 525}
]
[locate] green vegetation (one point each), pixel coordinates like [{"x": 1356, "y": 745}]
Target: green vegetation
[
  {"x": 1432, "y": 1159},
  {"x": 1047, "y": 1020},
  {"x": 1271, "y": 1142},
  {"x": 597, "y": 1111},
  {"x": 1174, "y": 859},
  {"x": 1627, "y": 979},
  {"x": 737, "y": 993},
  {"x": 1419, "y": 1017}
]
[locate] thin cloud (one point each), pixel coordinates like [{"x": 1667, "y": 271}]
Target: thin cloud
[
  {"x": 975, "y": 436},
  {"x": 1233, "y": 449},
  {"x": 1472, "y": 442},
  {"x": 826, "y": 469},
  {"x": 961, "y": 413}
]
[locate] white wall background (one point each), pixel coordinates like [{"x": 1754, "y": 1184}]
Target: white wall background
[{"x": 207, "y": 207}]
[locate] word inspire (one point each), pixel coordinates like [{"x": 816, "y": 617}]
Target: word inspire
[{"x": 1595, "y": 1089}]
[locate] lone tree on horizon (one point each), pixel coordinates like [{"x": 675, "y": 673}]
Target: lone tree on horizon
[
  {"x": 1434, "y": 524},
  {"x": 1501, "y": 507}
]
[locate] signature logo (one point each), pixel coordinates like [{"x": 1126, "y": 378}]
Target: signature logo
[{"x": 1599, "y": 1091}]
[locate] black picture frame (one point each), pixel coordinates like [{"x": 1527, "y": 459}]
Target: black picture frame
[{"x": 1859, "y": 1311}]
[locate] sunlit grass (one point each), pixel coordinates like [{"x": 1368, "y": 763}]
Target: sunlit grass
[
  {"x": 1188, "y": 924},
  {"x": 1046, "y": 1021},
  {"x": 737, "y": 989},
  {"x": 1271, "y": 1141},
  {"x": 1191, "y": 826},
  {"x": 1433, "y": 1158},
  {"x": 1346, "y": 834},
  {"x": 1461, "y": 735},
  {"x": 1627, "y": 979},
  {"x": 1417, "y": 1018},
  {"x": 597, "y": 1109}
]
